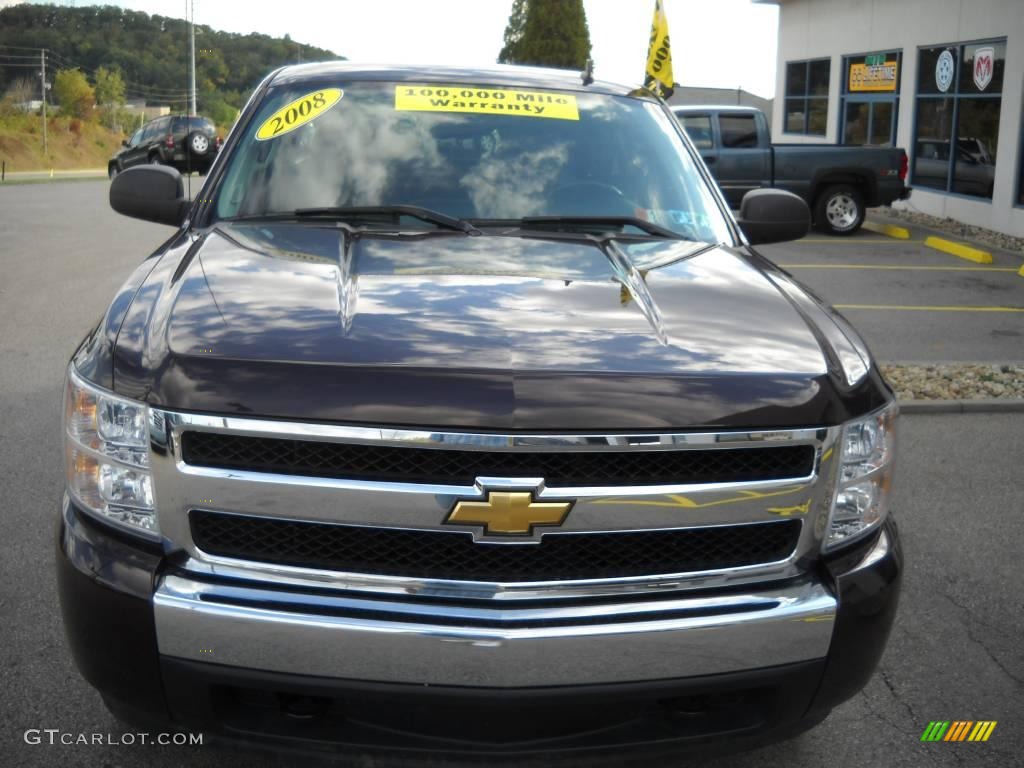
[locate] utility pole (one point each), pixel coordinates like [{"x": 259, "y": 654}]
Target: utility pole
[
  {"x": 42, "y": 77},
  {"x": 192, "y": 59}
]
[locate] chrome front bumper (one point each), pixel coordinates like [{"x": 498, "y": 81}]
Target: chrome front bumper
[
  {"x": 582, "y": 644},
  {"x": 254, "y": 615}
]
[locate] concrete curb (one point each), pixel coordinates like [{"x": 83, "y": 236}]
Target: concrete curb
[
  {"x": 987, "y": 405},
  {"x": 47, "y": 180},
  {"x": 886, "y": 215},
  {"x": 889, "y": 230},
  {"x": 961, "y": 250}
]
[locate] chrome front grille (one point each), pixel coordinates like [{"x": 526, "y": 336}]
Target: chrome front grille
[
  {"x": 455, "y": 555},
  {"x": 452, "y": 466},
  {"x": 651, "y": 512}
]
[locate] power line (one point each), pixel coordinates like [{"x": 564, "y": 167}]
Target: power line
[
  {"x": 154, "y": 91},
  {"x": 133, "y": 89},
  {"x": 67, "y": 63}
]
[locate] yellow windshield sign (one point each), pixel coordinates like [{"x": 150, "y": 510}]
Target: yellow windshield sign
[
  {"x": 488, "y": 101},
  {"x": 299, "y": 112}
]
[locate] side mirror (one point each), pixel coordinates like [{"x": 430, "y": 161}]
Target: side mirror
[
  {"x": 773, "y": 216},
  {"x": 124, "y": 142},
  {"x": 150, "y": 192}
]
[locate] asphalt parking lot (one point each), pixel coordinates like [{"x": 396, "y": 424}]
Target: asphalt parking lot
[
  {"x": 913, "y": 303},
  {"x": 956, "y": 650}
]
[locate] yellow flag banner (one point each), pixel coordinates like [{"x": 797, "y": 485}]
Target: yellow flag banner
[{"x": 658, "y": 75}]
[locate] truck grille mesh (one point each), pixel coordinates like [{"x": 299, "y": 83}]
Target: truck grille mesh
[
  {"x": 455, "y": 555},
  {"x": 460, "y": 467}
]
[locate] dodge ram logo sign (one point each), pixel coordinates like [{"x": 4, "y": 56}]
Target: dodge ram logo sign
[{"x": 984, "y": 63}]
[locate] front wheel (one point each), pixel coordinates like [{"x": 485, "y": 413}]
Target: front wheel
[
  {"x": 113, "y": 170},
  {"x": 839, "y": 210},
  {"x": 154, "y": 159}
]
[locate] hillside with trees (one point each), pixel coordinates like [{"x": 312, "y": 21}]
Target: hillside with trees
[{"x": 149, "y": 54}]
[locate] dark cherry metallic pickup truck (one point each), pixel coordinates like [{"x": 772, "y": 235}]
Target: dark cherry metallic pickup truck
[{"x": 460, "y": 415}]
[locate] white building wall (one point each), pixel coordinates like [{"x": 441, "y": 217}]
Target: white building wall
[{"x": 810, "y": 29}]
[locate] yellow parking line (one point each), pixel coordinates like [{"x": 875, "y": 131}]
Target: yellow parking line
[
  {"x": 958, "y": 249},
  {"x": 900, "y": 233},
  {"x": 853, "y": 241},
  {"x": 898, "y": 266},
  {"x": 928, "y": 309}
]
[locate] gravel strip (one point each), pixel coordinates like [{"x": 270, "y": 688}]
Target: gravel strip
[
  {"x": 956, "y": 228},
  {"x": 955, "y": 382}
]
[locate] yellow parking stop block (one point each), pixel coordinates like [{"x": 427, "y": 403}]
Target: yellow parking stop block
[
  {"x": 958, "y": 249},
  {"x": 900, "y": 233}
]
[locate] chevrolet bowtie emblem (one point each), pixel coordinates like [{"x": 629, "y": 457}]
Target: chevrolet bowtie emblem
[{"x": 509, "y": 512}]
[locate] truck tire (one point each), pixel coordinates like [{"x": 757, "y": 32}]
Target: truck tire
[
  {"x": 113, "y": 170},
  {"x": 155, "y": 159},
  {"x": 839, "y": 209}
]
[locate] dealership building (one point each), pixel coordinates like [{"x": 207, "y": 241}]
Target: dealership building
[{"x": 941, "y": 78}]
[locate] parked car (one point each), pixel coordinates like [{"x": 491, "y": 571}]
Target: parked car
[
  {"x": 460, "y": 415},
  {"x": 839, "y": 183},
  {"x": 182, "y": 142}
]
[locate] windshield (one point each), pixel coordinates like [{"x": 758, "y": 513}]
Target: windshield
[{"x": 478, "y": 153}]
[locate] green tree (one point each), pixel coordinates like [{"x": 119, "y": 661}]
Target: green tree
[
  {"x": 109, "y": 87},
  {"x": 554, "y": 34},
  {"x": 220, "y": 111},
  {"x": 514, "y": 32},
  {"x": 73, "y": 93}
]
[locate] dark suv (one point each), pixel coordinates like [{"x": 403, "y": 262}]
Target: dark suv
[{"x": 186, "y": 143}]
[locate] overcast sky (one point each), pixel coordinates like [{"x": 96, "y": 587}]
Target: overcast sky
[{"x": 722, "y": 43}]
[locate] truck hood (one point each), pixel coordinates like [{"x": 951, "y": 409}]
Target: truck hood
[{"x": 302, "y": 321}]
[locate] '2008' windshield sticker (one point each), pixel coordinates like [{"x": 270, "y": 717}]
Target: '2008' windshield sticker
[
  {"x": 297, "y": 113},
  {"x": 490, "y": 101}
]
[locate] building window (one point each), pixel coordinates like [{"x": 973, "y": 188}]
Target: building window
[
  {"x": 1020, "y": 169},
  {"x": 806, "y": 109},
  {"x": 959, "y": 99},
  {"x": 870, "y": 98}
]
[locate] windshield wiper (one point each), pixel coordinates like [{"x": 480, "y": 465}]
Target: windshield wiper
[
  {"x": 391, "y": 213},
  {"x": 599, "y": 223}
]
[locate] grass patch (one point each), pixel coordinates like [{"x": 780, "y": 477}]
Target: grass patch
[{"x": 71, "y": 144}]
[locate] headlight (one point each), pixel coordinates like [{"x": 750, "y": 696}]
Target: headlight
[
  {"x": 864, "y": 476},
  {"x": 107, "y": 455}
]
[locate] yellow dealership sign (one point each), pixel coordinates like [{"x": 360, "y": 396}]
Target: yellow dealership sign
[
  {"x": 658, "y": 75},
  {"x": 488, "y": 101},
  {"x": 874, "y": 78}
]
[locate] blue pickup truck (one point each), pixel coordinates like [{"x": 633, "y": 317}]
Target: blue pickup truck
[{"x": 838, "y": 182}]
